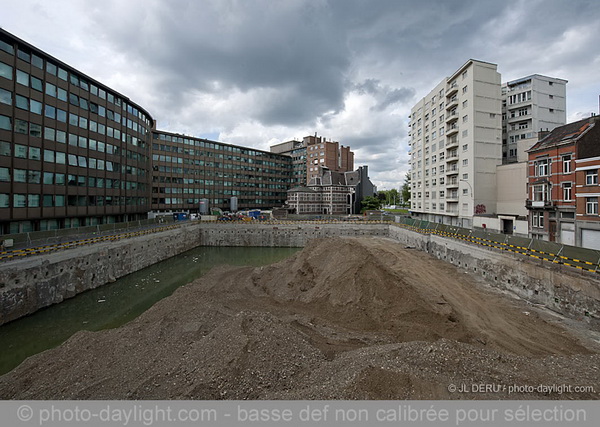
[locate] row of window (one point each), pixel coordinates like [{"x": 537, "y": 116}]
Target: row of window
[
  {"x": 61, "y": 158},
  {"x": 35, "y": 130},
  {"x": 217, "y": 201},
  {"x": 208, "y": 144},
  {"x": 59, "y": 200},
  {"x": 28, "y": 80},
  {"x": 190, "y": 171},
  {"x": 34, "y": 153},
  {"x": 61, "y": 179},
  {"x": 73, "y": 78}
]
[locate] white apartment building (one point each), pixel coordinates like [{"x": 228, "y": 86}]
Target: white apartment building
[
  {"x": 530, "y": 104},
  {"x": 455, "y": 146}
]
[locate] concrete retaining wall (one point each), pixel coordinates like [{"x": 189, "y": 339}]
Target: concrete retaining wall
[{"x": 26, "y": 285}]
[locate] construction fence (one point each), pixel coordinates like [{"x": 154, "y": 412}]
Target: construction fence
[{"x": 556, "y": 253}]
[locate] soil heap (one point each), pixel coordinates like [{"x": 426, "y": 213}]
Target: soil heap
[{"x": 345, "y": 318}]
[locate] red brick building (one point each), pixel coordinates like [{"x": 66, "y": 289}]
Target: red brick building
[
  {"x": 552, "y": 186},
  {"x": 587, "y": 188},
  {"x": 329, "y": 154}
]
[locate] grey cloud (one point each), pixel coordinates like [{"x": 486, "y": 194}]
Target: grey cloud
[
  {"x": 385, "y": 95},
  {"x": 221, "y": 46}
]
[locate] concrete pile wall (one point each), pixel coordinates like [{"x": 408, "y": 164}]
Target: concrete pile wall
[{"x": 28, "y": 284}]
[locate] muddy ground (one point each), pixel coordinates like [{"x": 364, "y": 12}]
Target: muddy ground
[{"x": 345, "y": 318}]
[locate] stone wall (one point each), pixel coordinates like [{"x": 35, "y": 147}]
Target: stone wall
[{"x": 28, "y": 284}]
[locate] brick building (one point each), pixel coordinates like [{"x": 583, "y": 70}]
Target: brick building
[
  {"x": 552, "y": 188},
  {"x": 588, "y": 188},
  {"x": 312, "y": 153}
]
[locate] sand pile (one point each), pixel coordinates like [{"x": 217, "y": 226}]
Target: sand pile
[{"x": 342, "y": 319}]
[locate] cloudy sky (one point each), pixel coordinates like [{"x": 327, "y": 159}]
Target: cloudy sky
[{"x": 254, "y": 73}]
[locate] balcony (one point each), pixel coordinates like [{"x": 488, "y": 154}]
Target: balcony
[
  {"x": 452, "y": 143},
  {"x": 452, "y": 198},
  {"x": 452, "y": 103},
  {"x": 452, "y": 170},
  {"x": 452, "y": 129},
  {"x": 452, "y": 89},
  {"x": 539, "y": 204},
  {"x": 451, "y": 116},
  {"x": 452, "y": 183}
]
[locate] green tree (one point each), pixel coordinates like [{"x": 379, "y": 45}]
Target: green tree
[
  {"x": 370, "y": 203},
  {"x": 406, "y": 189}
]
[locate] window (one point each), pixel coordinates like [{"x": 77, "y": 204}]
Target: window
[
  {"x": 61, "y": 94},
  {"x": 50, "y": 112},
  {"x": 22, "y": 102},
  {"x": 36, "y": 84},
  {"x": 5, "y": 97},
  {"x": 540, "y": 193},
  {"x": 33, "y": 200},
  {"x": 542, "y": 167},
  {"x": 49, "y": 156},
  {"x": 6, "y": 47},
  {"x": 6, "y": 71},
  {"x": 48, "y": 178},
  {"x": 464, "y": 89},
  {"x": 34, "y": 153},
  {"x": 465, "y": 119},
  {"x": 465, "y": 147},
  {"x": 5, "y": 122},
  {"x": 567, "y": 191},
  {"x": 19, "y": 175},
  {"x": 4, "y": 200},
  {"x": 21, "y": 126},
  {"x": 5, "y": 174},
  {"x": 60, "y": 158},
  {"x": 35, "y": 107},
  {"x": 465, "y": 162},
  {"x": 19, "y": 201},
  {"x": 5, "y": 148},
  {"x": 22, "y": 78},
  {"x": 20, "y": 151},
  {"x": 50, "y": 68},
  {"x": 537, "y": 219},
  {"x": 591, "y": 177},
  {"x": 591, "y": 205},
  {"x": 566, "y": 163}
]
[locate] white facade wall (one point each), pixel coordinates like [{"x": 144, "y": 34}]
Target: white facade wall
[
  {"x": 456, "y": 145},
  {"x": 530, "y": 104}
]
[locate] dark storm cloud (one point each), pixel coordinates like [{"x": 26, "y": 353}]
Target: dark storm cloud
[
  {"x": 217, "y": 47},
  {"x": 257, "y": 70},
  {"x": 385, "y": 95}
]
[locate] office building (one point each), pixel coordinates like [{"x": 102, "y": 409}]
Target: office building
[
  {"x": 187, "y": 170},
  {"x": 73, "y": 151}
]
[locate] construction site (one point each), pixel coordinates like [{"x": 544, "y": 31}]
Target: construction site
[{"x": 358, "y": 313}]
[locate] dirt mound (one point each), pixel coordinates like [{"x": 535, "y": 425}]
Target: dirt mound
[{"x": 342, "y": 319}]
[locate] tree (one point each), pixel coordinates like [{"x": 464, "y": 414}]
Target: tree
[
  {"x": 370, "y": 203},
  {"x": 406, "y": 188}
]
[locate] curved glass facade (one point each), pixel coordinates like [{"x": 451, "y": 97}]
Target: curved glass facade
[{"x": 74, "y": 152}]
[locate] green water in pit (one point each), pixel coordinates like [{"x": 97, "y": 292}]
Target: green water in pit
[{"x": 117, "y": 303}]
